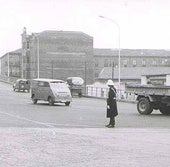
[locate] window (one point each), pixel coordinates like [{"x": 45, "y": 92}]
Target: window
[
  {"x": 28, "y": 60},
  {"x": 124, "y": 63},
  {"x": 111, "y": 64},
  {"x": 28, "y": 45},
  {"x": 164, "y": 61},
  {"x": 134, "y": 63},
  {"x": 105, "y": 63},
  {"x": 143, "y": 63},
  {"x": 154, "y": 63},
  {"x": 46, "y": 84},
  {"x": 41, "y": 84},
  {"x": 96, "y": 63}
]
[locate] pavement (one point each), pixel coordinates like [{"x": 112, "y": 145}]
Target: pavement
[{"x": 84, "y": 147}]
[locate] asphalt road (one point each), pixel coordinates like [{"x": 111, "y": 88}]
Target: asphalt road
[
  {"x": 17, "y": 110},
  {"x": 73, "y": 136}
]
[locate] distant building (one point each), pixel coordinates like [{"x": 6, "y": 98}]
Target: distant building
[
  {"x": 62, "y": 54},
  {"x": 133, "y": 63},
  {"x": 131, "y": 74},
  {"x": 11, "y": 64},
  {"x": 58, "y": 54}
]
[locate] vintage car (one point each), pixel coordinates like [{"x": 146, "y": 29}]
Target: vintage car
[
  {"x": 21, "y": 85},
  {"x": 53, "y": 91}
]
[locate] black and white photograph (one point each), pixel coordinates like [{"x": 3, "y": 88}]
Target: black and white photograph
[{"x": 84, "y": 83}]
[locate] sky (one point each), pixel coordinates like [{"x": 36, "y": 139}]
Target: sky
[{"x": 136, "y": 24}]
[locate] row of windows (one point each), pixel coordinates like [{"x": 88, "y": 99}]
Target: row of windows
[{"x": 109, "y": 63}]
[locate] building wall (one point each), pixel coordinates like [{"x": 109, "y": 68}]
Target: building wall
[
  {"x": 11, "y": 65},
  {"x": 65, "y": 54},
  {"x": 61, "y": 55},
  {"x": 130, "y": 58}
]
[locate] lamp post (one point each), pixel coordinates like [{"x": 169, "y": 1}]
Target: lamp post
[
  {"x": 111, "y": 20},
  {"x": 38, "y": 58}
]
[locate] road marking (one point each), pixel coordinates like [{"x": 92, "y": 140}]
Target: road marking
[
  {"x": 50, "y": 125},
  {"x": 29, "y": 120}
]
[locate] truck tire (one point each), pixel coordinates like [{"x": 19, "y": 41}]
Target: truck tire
[
  {"x": 165, "y": 109},
  {"x": 144, "y": 106}
]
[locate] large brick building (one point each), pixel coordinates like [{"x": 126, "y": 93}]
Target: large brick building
[
  {"x": 58, "y": 54},
  {"x": 62, "y": 54}
]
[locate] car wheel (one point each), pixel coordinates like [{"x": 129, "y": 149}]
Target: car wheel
[
  {"x": 51, "y": 101},
  {"x": 67, "y": 103},
  {"x": 34, "y": 99}
]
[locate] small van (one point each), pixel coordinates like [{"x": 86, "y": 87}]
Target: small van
[
  {"x": 21, "y": 85},
  {"x": 53, "y": 91}
]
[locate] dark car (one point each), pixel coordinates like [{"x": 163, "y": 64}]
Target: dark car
[{"x": 22, "y": 85}]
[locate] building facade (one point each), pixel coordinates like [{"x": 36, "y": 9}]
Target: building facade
[
  {"x": 11, "y": 65},
  {"x": 62, "y": 54},
  {"x": 133, "y": 62},
  {"x": 58, "y": 55}
]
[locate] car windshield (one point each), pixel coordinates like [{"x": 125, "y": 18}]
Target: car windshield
[{"x": 59, "y": 86}]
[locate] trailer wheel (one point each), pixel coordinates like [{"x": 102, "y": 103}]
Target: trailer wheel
[
  {"x": 165, "y": 109},
  {"x": 144, "y": 106}
]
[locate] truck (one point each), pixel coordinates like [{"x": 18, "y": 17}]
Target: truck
[
  {"x": 153, "y": 93},
  {"x": 75, "y": 85}
]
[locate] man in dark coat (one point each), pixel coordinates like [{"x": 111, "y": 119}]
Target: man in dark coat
[{"x": 112, "y": 111}]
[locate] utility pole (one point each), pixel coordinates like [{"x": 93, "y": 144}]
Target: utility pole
[
  {"x": 113, "y": 71},
  {"x": 38, "y": 58}
]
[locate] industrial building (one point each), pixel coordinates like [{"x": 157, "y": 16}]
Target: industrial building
[{"x": 63, "y": 54}]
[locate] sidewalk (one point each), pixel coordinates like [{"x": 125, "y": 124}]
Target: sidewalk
[{"x": 88, "y": 147}]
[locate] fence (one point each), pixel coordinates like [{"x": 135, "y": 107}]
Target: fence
[
  {"x": 97, "y": 92},
  {"x": 102, "y": 92}
]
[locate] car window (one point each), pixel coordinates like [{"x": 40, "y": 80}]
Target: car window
[
  {"x": 43, "y": 84},
  {"x": 46, "y": 84}
]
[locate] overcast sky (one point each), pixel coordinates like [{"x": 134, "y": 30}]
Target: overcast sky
[{"x": 144, "y": 24}]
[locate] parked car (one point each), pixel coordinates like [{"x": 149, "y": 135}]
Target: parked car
[
  {"x": 21, "y": 85},
  {"x": 53, "y": 91}
]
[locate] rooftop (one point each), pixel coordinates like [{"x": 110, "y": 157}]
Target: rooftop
[
  {"x": 132, "y": 72},
  {"x": 131, "y": 52}
]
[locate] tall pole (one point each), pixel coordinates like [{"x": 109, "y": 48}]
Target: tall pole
[
  {"x": 52, "y": 69},
  {"x": 113, "y": 71},
  {"x": 118, "y": 46},
  {"x": 8, "y": 65},
  {"x": 22, "y": 62},
  {"x": 38, "y": 58}
]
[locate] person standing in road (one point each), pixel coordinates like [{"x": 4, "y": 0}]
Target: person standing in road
[{"x": 112, "y": 111}]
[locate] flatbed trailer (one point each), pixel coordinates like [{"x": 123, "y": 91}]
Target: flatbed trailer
[{"x": 151, "y": 97}]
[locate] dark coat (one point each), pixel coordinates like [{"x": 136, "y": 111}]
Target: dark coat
[{"x": 111, "y": 103}]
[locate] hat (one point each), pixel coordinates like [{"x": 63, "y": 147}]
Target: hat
[{"x": 110, "y": 82}]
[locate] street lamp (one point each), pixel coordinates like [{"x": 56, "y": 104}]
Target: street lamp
[
  {"x": 38, "y": 58},
  {"x": 111, "y": 20}
]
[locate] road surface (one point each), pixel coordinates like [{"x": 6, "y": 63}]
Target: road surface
[{"x": 43, "y": 135}]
